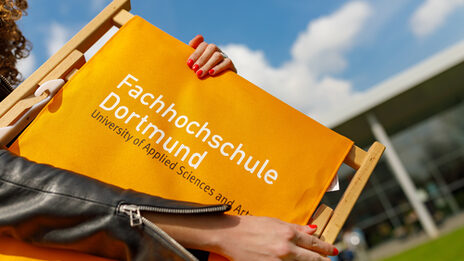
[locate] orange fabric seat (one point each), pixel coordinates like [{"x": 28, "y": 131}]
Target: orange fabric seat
[
  {"x": 12, "y": 249},
  {"x": 220, "y": 139},
  {"x": 137, "y": 117}
]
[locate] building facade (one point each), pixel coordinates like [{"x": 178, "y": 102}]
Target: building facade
[{"x": 419, "y": 183}]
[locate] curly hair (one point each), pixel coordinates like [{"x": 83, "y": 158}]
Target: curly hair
[{"x": 13, "y": 45}]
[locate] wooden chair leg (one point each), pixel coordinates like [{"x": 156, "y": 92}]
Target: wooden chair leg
[
  {"x": 320, "y": 218},
  {"x": 351, "y": 195}
]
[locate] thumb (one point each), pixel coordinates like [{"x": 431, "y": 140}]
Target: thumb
[
  {"x": 307, "y": 229},
  {"x": 312, "y": 229}
]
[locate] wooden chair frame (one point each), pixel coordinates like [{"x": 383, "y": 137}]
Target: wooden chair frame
[{"x": 70, "y": 58}]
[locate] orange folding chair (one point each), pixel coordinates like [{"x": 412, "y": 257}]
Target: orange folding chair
[{"x": 195, "y": 107}]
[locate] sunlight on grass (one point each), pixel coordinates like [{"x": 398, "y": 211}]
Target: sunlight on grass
[{"x": 448, "y": 247}]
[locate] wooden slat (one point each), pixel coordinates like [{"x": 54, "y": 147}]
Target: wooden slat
[
  {"x": 355, "y": 157},
  {"x": 81, "y": 41},
  {"x": 68, "y": 64},
  {"x": 19, "y": 108},
  {"x": 351, "y": 195},
  {"x": 320, "y": 218},
  {"x": 75, "y": 59},
  {"x": 122, "y": 18}
]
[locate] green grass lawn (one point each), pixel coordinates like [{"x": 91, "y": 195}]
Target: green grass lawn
[{"x": 448, "y": 247}]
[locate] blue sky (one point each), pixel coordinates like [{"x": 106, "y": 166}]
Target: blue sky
[{"x": 314, "y": 55}]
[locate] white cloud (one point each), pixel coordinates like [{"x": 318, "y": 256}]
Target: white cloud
[
  {"x": 431, "y": 15},
  {"x": 97, "y": 5},
  {"x": 306, "y": 81},
  {"x": 26, "y": 66},
  {"x": 58, "y": 35},
  {"x": 325, "y": 40}
]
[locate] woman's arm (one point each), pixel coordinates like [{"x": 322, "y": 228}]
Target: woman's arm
[{"x": 245, "y": 237}]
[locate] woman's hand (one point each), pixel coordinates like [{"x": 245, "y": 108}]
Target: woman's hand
[
  {"x": 245, "y": 237},
  {"x": 208, "y": 59},
  {"x": 262, "y": 238}
]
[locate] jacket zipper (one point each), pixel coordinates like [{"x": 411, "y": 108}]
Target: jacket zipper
[
  {"x": 5, "y": 87},
  {"x": 136, "y": 219},
  {"x": 172, "y": 210},
  {"x": 6, "y": 83}
]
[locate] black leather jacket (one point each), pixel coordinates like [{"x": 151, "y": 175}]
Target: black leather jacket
[{"x": 56, "y": 208}]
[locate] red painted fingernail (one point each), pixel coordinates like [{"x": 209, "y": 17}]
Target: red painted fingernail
[
  {"x": 199, "y": 73},
  {"x": 313, "y": 226},
  {"x": 211, "y": 72},
  {"x": 190, "y": 63},
  {"x": 195, "y": 67},
  {"x": 335, "y": 251}
]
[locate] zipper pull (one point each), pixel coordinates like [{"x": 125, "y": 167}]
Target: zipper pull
[{"x": 133, "y": 212}]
